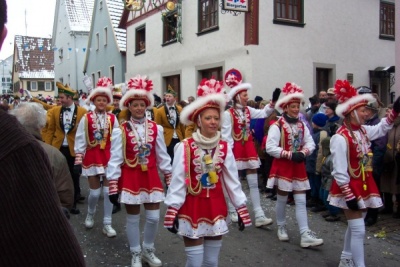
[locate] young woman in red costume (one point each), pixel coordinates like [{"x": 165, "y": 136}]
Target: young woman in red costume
[
  {"x": 235, "y": 129},
  {"x": 354, "y": 189},
  {"x": 137, "y": 153},
  {"x": 196, "y": 203},
  {"x": 289, "y": 142},
  {"x": 92, "y": 149}
]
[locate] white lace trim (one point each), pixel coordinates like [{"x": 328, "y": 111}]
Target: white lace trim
[
  {"x": 250, "y": 164},
  {"x": 287, "y": 186},
  {"x": 143, "y": 197},
  {"x": 220, "y": 227},
  {"x": 93, "y": 171},
  {"x": 340, "y": 202}
]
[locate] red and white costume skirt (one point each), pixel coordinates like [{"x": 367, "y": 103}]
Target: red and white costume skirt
[
  {"x": 208, "y": 221},
  {"x": 288, "y": 176},
  {"x": 137, "y": 187},
  {"x": 95, "y": 161},
  {"x": 246, "y": 155},
  {"x": 369, "y": 198}
]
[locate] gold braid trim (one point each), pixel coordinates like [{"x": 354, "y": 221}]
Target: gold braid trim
[
  {"x": 96, "y": 142},
  {"x": 236, "y": 137},
  {"x": 127, "y": 161},
  {"x": 351, "y": 170},
  {"x": 90, "y": 144},
  {"x": 193, "y": 191}
]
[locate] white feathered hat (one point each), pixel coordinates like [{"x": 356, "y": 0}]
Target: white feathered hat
[
  {"x": 292, "y": 94},
  {"x": 103, "y": 88},
  {"x": 348, "y": 98},
  {"x": 138, "y": 88},
  {"x": 209, "y": 95}
]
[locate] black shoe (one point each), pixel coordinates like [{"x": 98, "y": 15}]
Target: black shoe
[
  {"x": 370, "y": 221},
  {"x": 386, "y": 211},
  {"x": 325, "y": 214},
  {"x": 116, "y": 208},
  {"x": 311, "y": 203},
  {"x": 79, "y": 199},
  {"x": 74, "y": 211},
  {"x": 270, "y": 196},
  {"x": 318, "y": 208},
  {"x": 332, "y": 218}
]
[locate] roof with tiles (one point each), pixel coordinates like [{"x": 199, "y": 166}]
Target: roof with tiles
[
  {"x": 35, "y": 57},
  {"x": 79, "y": 13},
  {"x": 115, "y": 9}
]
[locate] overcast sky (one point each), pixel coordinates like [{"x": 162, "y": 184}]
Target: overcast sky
[{"x": 39, "y": 21}]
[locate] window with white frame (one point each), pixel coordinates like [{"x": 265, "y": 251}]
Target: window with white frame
[
  {"x": 33, "y": 86},
  {"x": 47, "y": 86}
]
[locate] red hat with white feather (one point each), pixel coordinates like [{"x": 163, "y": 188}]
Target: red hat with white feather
[
  {"x": 293, "y": 94},
  {"x": 348, "y": 98},
  {"x": 138, "y": 88},
  {"x": 103, "y": 88},
  {"x": 209, "y": 95}
]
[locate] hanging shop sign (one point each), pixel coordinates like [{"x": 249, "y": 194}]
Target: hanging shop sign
[
  {"x": 134, "y": 5},
  {"x": 236, "y": 5}
]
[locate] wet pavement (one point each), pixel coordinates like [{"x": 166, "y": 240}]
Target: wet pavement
[{"x": 252, "y": 247}]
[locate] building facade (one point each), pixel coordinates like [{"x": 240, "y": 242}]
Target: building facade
[
  {"x": 6, "y": 75},
  {"x": 33, "y": 66},
  {"x": 71, "y": 27},
  {"x": 107, "y": 42},
  {"x": 311, "y": 43}
]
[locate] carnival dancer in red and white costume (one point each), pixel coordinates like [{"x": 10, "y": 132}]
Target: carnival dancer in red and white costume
[
  {"x": 289, "y": 142},
  {"x": 92, "y": 149},
  {"x": 354, "y": 189},
  {"x": 235, "y": 129},
  {"x": 196, "y": 203},
  {"x": 137, "y": 149}
]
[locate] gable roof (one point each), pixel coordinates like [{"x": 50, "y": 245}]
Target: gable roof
[
  {"x": 115, "y": 10},
  {"x": 35, "y": 57},
  {"x": 79, "y": 14}
]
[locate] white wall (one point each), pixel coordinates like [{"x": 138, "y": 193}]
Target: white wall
[{"x": 344, "y": 34}]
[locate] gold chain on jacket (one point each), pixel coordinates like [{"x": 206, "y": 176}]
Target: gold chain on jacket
[
  {"x": 96, "y": 142},
  {"x": 131, "y": 163},
  {"x": 193, "y": 191}
]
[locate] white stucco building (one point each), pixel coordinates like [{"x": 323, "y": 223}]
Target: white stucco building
[{"x": 311, "y": 43}]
